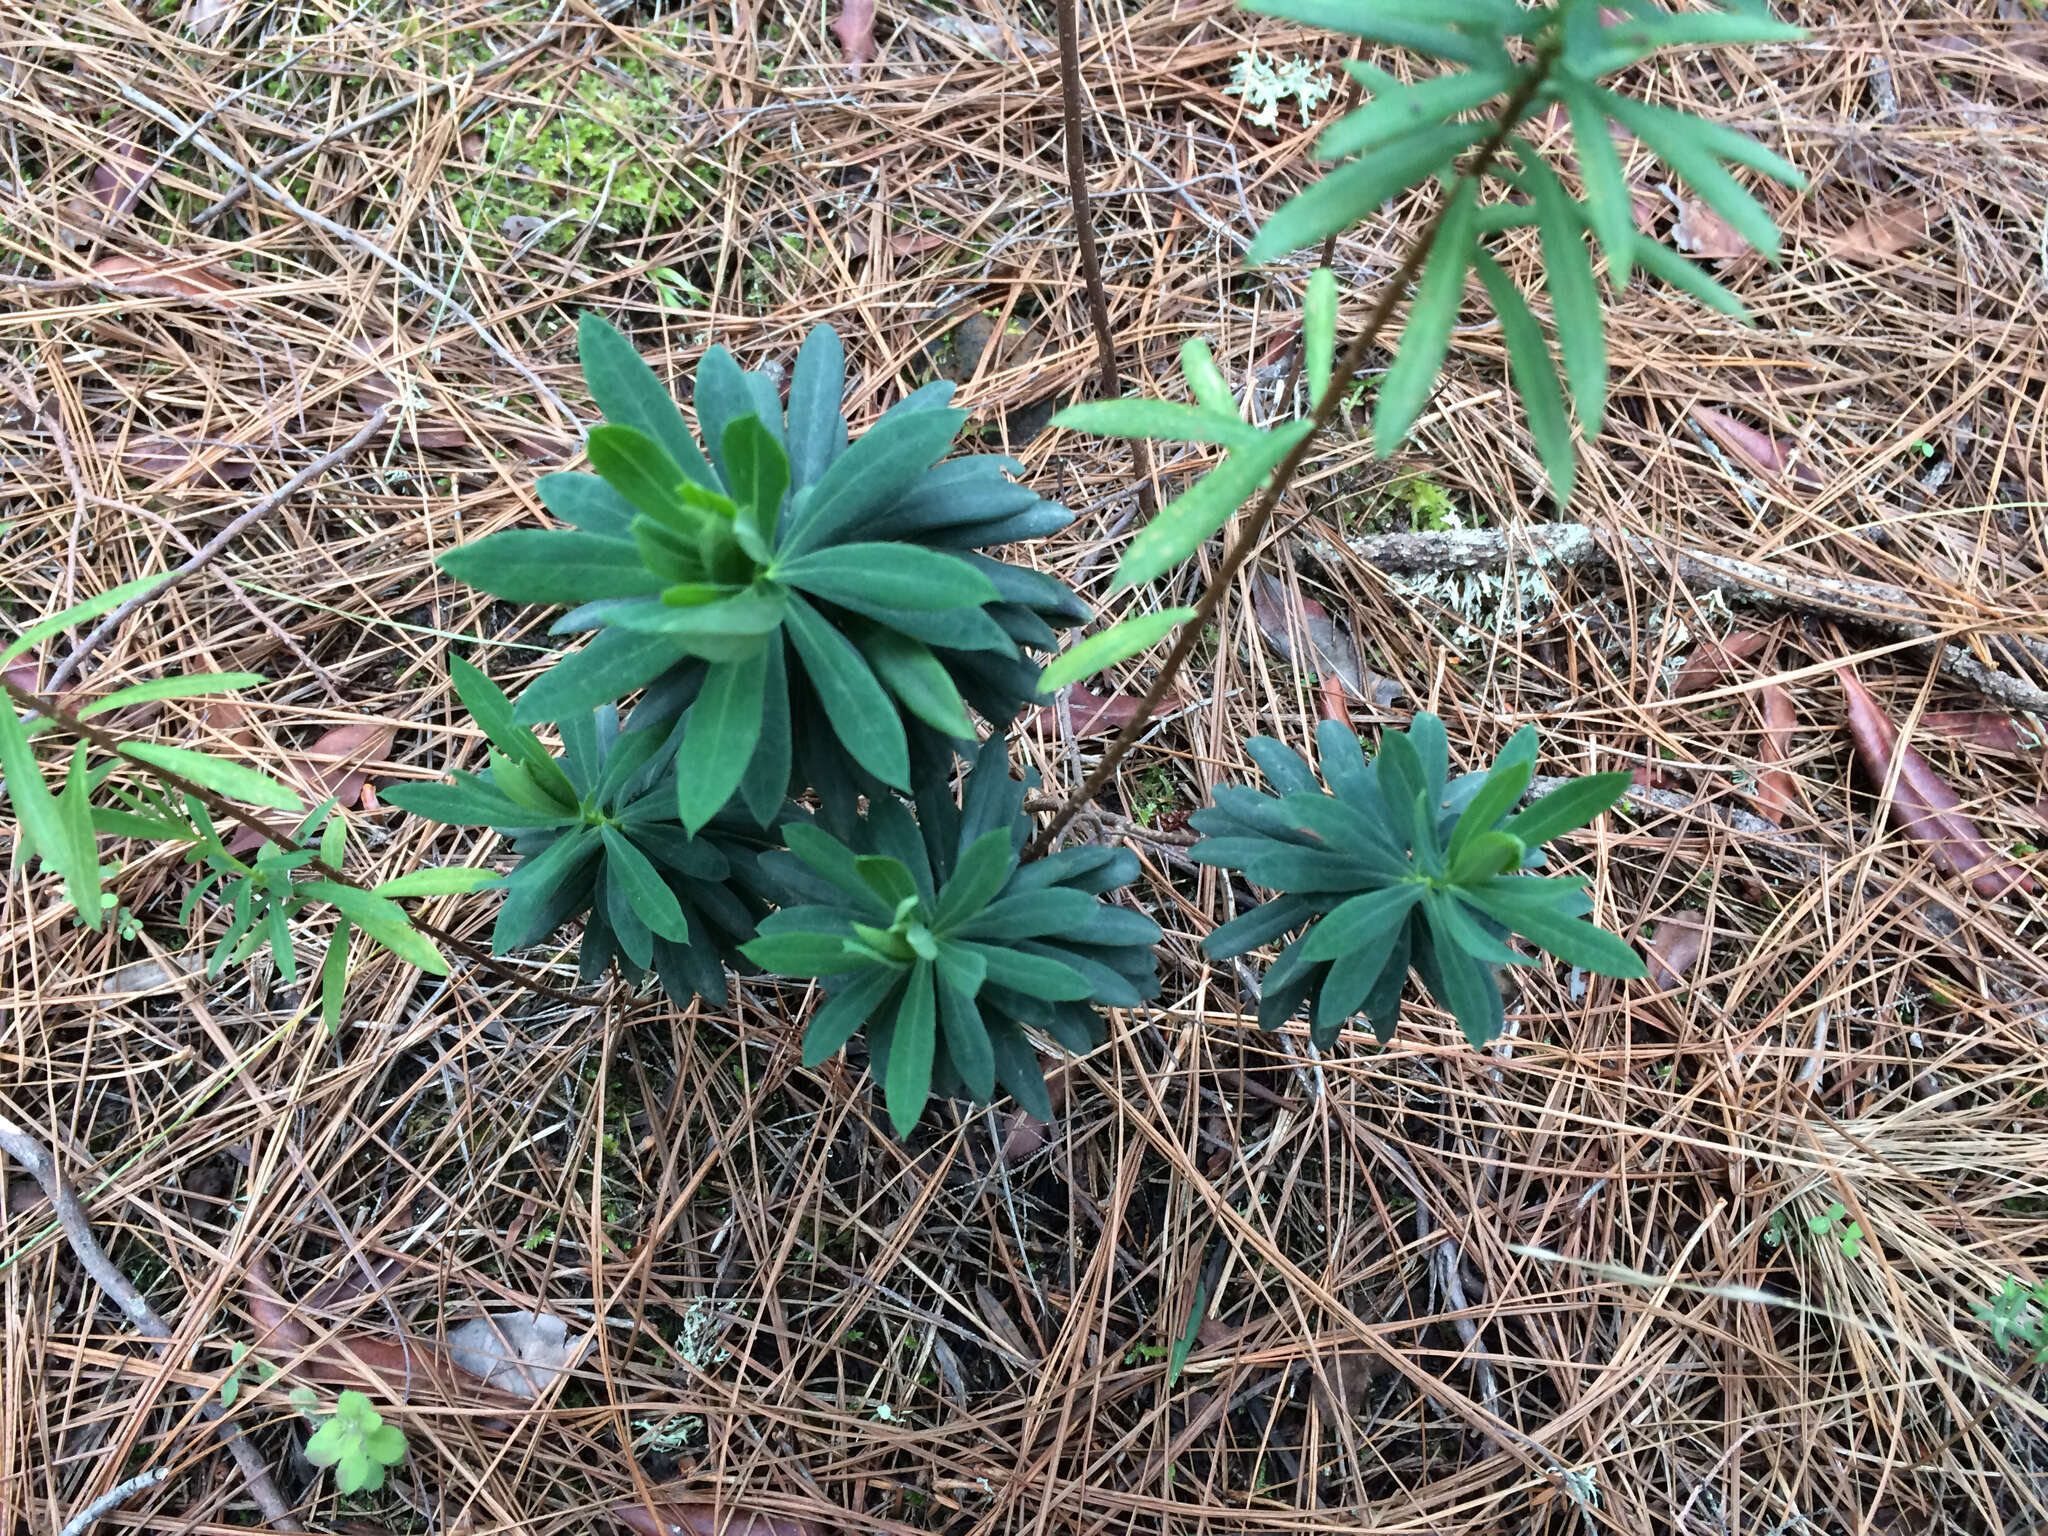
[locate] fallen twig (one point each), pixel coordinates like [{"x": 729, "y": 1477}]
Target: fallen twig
[
  {"x": 41, "y": 1163},
  {"x": 1871, "y": 605},
  {"x": 205, "y": 555},
  {"x": 112, "y": 1500}
]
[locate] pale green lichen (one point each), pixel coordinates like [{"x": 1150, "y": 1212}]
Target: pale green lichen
[{"x": 1264, "y": 83}]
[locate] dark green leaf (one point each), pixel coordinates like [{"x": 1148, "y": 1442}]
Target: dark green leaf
[
  {"x": 586, "y": 502},
  {"x": 628, "y": 393},
  {"x": 1501, "y": 792},
  {"x": 862, "y": 714},
  {"x": 1194, "y": 516},
  {"x": 635, "y": 466},
  {"x": 910, "y": 1051},
  {"x": 1033, "y": 975},
  {"x": 917, "y": 678},
  {"x": 1349, "y": 982},
  {"x": 1396, "y": 25},
  {"x": 1535, "y": 378},
  {"x": 870, "y": 476},
  {"x": 611, "y": 665},
  {"x": 1017, "y": 1067},
  {"x": 1261, "y": 925},
  {"x": 849, "y": 1007},
  {"x": 893, "y": 575},
  {"x": 1514, "y": 902},
  {"x": 718, "y": 743},
  {"x": 967, "y": 1042},
  {"x": 983, "y": 868},
  {"x": 1671, "y": 135},
  {"x": 766, "y": 780},
  {"x": 195, "y": 686},
  {"x": 835, "y": 862},
  {"x": 817, "y": 430},
  {"x": 551, "y": 565},
  {"x": 651, "y": 897},
  {"x": 1431, "y": 316},
  {"x": 1362, "y": 924},
  {"x": 1452, "y": 925},
  {"x": 534, "y": 885},
  {"x": 758, "y": 470},
  {"x": 722, "y": 394},
  {"x": 1357, "y": 190},
  {"x": 334, "y": 976},
  {"x": 1466, "y": 987},
  {"x": 1160, "y": 421}
]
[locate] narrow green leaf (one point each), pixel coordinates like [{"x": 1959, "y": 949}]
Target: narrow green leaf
[
  {"x": 196, "y": 686},
  {"x": 652, "y": 900},
  {"x": 1499, "y": 795},
  {"x": 967, "y": 1043},
  {"x": 863, "y": 715},
  {"x": 849, "y": 1007},
  {"x": 1358, "y": 189},
  {"x": 445, "y": 880},
  {"x": 1427, "y": 336},
  {"x": 910, "y": 1051},
  {"x": 383, "y": 920},
  {"x": 719, "y": 741},
  {"x": 551, "y": 565},
  {"x": 1535, "y": 379},
  {"x": 1177, "y": 1360},
  {"x": 1161, "y": 421},
  {"x": 1610, "y": 206},
  {"x": 1211, "y": 391},
  {"x": 981, "y": 872},
  {"x": 919, "y": 679},
  {"x": 802, "y": 954},
  {"x": 1319, "y": 331},
  {"x": 817, "y": 429},
  {"x": 1567, "y": 808},
  {"x": 1192, "y": 517},
  {"x": 79, "y": 613},
  {"x": 1574, "y": 296},
  {"x": 759, "y": 469},
  {"x": 1642, "y": 35},
  {"x": 1363, "y": 923},
  {"x": 628, "y": 393},
  {"x": 893, "y": 575},
  {"x": 79, "y": 855},
  {"x": 1671, "y": 136},
  {"x": 1680, "y": 272},
  {"x": 1485, "y": 855},
  {"x": 1453, "y": 924},
  {"x": 1387, "y": 21},
  {"x": 36, "y": 810},
  {"x": 231, "y": 780},
  {"x": 635, "y": 466},
  {"x": 1512, "y": 901},
  {"x": 1121, "y": 641},
  {"x": 492, "y": 712},
  {"x": 1466, "y": 987},
  {"x": 1033, "y": 975},
  {"x": 1396, "y": 110}
]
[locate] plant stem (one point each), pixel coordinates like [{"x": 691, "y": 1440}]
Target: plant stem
[
  {"x": 1254, "y": 529},
  {"x": 65, "y": 720},
  {"x": 1084, "y": 234}
]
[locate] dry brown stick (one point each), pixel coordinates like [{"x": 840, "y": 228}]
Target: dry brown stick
[
  {"x": 1084, "y": 235},
  {"x": 228, "y": 811},
  {"x": 41, "y": 1162},
  {"x": 1870, "y": 605},
  {"x": 1254, "y": 530},
  {"x": 207, "y": 552}
]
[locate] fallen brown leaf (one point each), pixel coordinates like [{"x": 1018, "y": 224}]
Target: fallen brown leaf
[
  {"x": 174, "y": 280},
  {"x": 1924, "y": 806},
  {"x": 1713, "y": 660},
  {"x": 1777, "y": 791},
  {"x": 698, "y": 1517},
  {"x": 1704, "y": 233},
  {"x": 524, "y": 1353},
  {"x": 122, "y": 176},
  {"x": 1774, "y": 458},
  {"x": 1333, "y": 649},
  {"x": 334, "y": 764},
  {"x": 854, "y": 26},
  {"x": 1674, "y": 948},
  {"x": 1985, "y": 729},
  {"x": 164, "y": 455},
  {"x": 1885, "y": 232},
  {"x": 1093, "y": 714}
]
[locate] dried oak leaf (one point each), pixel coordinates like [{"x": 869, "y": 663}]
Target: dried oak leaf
[
  {"x": 335, "y": 764},
  {"x": 1773, "y": 458},
  {"x": 1093, "y": 714},
  {"x": 1674, "y": 948},
  {"x": 1333, "y": 649},
  {"x": 1884, "y": 232},
  {"x": 173, "y": 280},
  {"x": 1923, "y": 805},
  {"x": 524, "y": 1353}
]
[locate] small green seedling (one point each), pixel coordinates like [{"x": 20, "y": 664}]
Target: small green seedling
[
  {"x": 357, "y": 1443},
  {"x": 2015, "y": 1317}
]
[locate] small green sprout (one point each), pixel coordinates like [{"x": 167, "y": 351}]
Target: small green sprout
[{"x": 357, "y": 1443}]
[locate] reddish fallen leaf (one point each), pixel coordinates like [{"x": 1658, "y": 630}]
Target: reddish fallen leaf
[
  {"x": 1777, "y": 791},
  {"x": 1334, "y": 704},
  {"x": 854, "y": 26},
  {"x": 1093, "y": 714},
  {"x": 700, "y": 1518},
  {"x": 396, "y": 1368},
  {"x": 1924, "y": 806},
  {"x": 1774, "y": 458},
  {"x": 1713, "y": 660},
  {"x": 122, "y": 176},
  {"x": 230, "y": 717},
  {"x": 1674, "y": 948},
  {"x": 1704, "y": 233},
  {"x": 173, "y": 461},
  {"x": 1886, "y": 232},
  {"x": 1333, "y": 649},
  {"x": 25, "y": 671},
  {"x": 334, "y": 765},
  {"x": 175, "y": 280},
  {"x": 1985, "y": 729}
]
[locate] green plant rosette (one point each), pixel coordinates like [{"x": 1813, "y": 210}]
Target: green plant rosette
[
  {"x": 820, "y": 607},
  {"x": 1398, "y": 867},
  {"x": 598, "y": 838},
  {"x": 933, "y": 940}
]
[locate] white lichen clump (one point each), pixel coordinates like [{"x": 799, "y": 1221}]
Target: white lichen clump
[{"x": 1264, "y": 83}]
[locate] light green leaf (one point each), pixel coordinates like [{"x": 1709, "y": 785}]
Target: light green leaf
[
  {"x": 1358, "y": 189},
  {"x": 334, "y": 976},
  {"x": 383, "y": 920},
  {"x": 635, "y": 466},
  {"x": 492, "y": 712},
  {"x": 192, "y": 687},
  {"x": 78, "y": 613},
  {"x": 1567, "y": 808},
  {"x": 1205, "y": 380},
  {"x": 1574, "y": 296},
  {"x": 1195, "y": 515},
  {"x": 1422, "y": 29},
  {"x": 1680, "y": 272},
  {"x": 1161, "y": 421},
  {"x": 230, "y": 780},
  {"x": 446, "y": 880},
  {"x": 1643, "y": 34},
  {"x": 1427, "y": 336},
  {"x": 1535, "y": 378},
  {"x": 862, "y": 714},
  {"x": 1121, "y": 641},
  {"x": 1397, "y": 109},
  {"x": 1319, "y": 331},
  {"x": 908, "y": 669},
  {"x": 628, "y": 392},
  {"x": 1610, "y": 206},
  {"x": 1672, "y": 136}
]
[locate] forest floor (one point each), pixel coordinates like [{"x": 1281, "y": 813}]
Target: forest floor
[{"x": 1709, "y": 1253}]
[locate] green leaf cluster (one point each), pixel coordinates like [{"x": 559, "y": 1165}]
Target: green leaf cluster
[
  {"x": 935, "y": 942},
  {"x": 1398, "y": 866},
  {"x": 815, "y": 612},
  {"x": 357, "y": 1443},
  {"x": 598, "y": 838}
]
